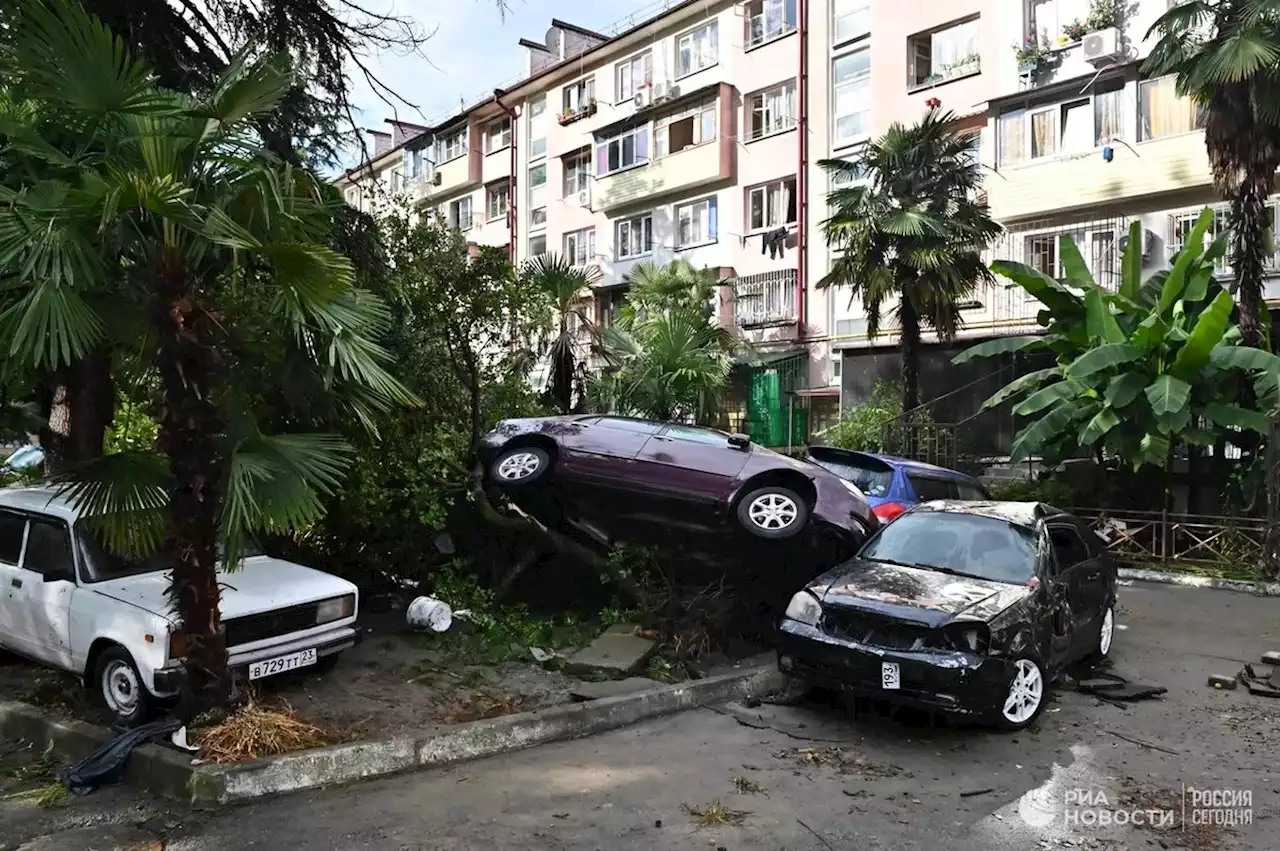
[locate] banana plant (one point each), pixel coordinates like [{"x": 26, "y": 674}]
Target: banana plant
[{"x": 1138, "y": 369}]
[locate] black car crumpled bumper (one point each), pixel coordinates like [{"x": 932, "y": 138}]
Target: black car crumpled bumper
[{"x": 950, "y": 682}]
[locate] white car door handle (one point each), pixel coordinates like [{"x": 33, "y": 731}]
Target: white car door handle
[{"x": 16, "y": 583}]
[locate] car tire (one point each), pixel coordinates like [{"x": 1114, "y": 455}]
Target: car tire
[
  {"x": 773, "y": 512},
  {"x": 1106, "y": 635},
  {"x": 1025, "y": 696},
  {"x": 119, "y": 688},
  {"x": 520, "y": 467}
]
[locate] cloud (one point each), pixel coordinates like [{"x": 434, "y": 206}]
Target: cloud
[{"x": 472, "y": 49}]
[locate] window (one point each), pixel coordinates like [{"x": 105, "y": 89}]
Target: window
[
  {"x": 1050, "y": 17},
  {"x": 968, "y": 544},
  {"x": 1042, "y": 254},
  {"x": 1162, "y": 113},
  {"x": 624, "y": 424},
  {"x": 772, "y": 205},
  {"x": 499, "y": 196},
  {"x": 498, "y": 136},
  {"x": 633, "y": 237},
  {"x": 1098, "y": 247},
  {"x": 684, "y": 129},
  {"x": 941, "y": 55},
  {"x": 697, "y": 49},
  {"x": 538, "y": 195},
  {"x": 537, "y": 127},
  {"x": 772, "y": 110},
  {"x": 1077, "y": 126},
  {"x": 12, "y": 528},
  {"x": 634, "y": 74},
  {"x": 769, "y": 19},
  {"x": 577, "y": 175},
  {"x": 460, "y": 213},
  {"x": 578, "y": 96},
  {"x": 353, "y": 196},
  {"x": 629, "y": 149},
  {"x": 1068, "y": 549},
  {"x": 696, "y": 223},
  {"x": 49, "y": 550},
  {"x": 537, "y": 245},
  {"x": 451, "y": 145},
  {"x": 872, "y": 476},
  {"x": 611, "y": 301},
  {"x": 413, "y": 165},
  {"x": 852, "y": 82},
  {"x": 929, "y": 488},
  {"x": 580, "y": 246},
  {"x": 852, "y": 19},
  {"x": 696, "y": 435}
]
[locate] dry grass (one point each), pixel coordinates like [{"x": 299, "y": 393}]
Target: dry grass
[
  {"x": 715, "y": 814},
  {"x": 44, "y": 796},
  {"x": 257, "y": 731},
  {"x": 745, "y": 786}
]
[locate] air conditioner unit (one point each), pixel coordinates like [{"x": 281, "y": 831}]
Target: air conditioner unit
[
  {"x": 1148, "y": 243},
  {"x": 583, "y": 198},
  {"x": 1102, "y": 46},
  {"x": 642, "y": 99},
  {"x": 437, "y": 178},
  {"x": 661, "y": 91},
  {"x": 673, "y": 91}
]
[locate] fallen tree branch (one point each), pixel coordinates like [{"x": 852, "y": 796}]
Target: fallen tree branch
[
  {"x": 524, "y": 522},
  {"x": 1141, "y": 743}
]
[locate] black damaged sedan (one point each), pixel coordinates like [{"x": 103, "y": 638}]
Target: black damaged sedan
[{"x": 963, "y": 608}]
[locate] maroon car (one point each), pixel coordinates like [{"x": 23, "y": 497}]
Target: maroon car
[{"x": 770, "y": 495}]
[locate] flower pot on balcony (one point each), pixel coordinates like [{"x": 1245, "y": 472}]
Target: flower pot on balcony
[
  {"x": 592, "y": 108},
  {"x": 1026, "y": 66}
]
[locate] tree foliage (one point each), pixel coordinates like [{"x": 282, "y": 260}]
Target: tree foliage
[
  {"x": 567, "y": 287},
  {"x": 1140, "y": 369}
]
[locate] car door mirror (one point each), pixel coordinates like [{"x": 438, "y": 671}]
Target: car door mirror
[{"x": 739, "y": 441}]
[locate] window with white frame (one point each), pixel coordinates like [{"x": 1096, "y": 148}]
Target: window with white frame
[
  {"x": 580, "y": 246},
  {"x": 577, "y": 97},
  {"x": 451, "y": 145},
  {"x": 698, "y": 48},
  {"x": 498, "y": 196},
  {"x": 696, "y": 223},
  {"x": 577, "y": 174},
  {"x": 353, "y": 196},
  {"x": 1161, "y": 112},
  {"x": 627, "y": 149},
  {"x": 772, "y": 205},
  {"x": 538, "y": 127},
  {"x": 851, "y": 83},
  {"x": 693, "y": 125},
  {"x": 538, "y": 245},
  {"x": 769, "y": 19},
  {"x": 634, "y": 74},
  {"x": 538, "y": 195},
  {"x": 460, "y": 213},
  {"x": 1037, "y": 129},
  {"x": 397, "y": 181},
  {"x": 1098, "y": 246},
  {"x": 943, "y": 54},
  {"x": 612, "y": 301},
  {"x": 413, "y": 162},
  {"x": 772, "y": 110},
  {"x": 850, "y": 19},
  {"x": 1182, "y": 223},
  {"x": 1051, "y": 17},
  {"x": 498, "y": 135},
  {"x": 633, "y": 237}
]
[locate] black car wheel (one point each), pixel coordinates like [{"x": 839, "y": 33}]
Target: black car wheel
[
  {"x": 520, "y": 466},
  {"x": 1026, "y": 694},
  {"x": 773, "y": 512}
]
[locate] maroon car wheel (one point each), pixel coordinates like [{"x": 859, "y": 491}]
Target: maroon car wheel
[
  {"x": 520, "y": 466},
  {"x": 773, "y": 512}
]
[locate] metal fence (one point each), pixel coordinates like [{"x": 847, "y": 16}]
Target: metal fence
[{"x": 1195, "y": 540}]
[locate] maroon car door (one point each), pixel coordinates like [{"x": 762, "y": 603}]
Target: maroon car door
[
  {"x": 605, "y": 448},
  {"x": 692, "y": 463}
]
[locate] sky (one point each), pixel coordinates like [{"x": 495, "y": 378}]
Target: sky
[{"x": 473, "y": 49}]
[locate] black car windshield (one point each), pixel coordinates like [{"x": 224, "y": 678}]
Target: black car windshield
[
  {"x": 101, "y": 564},
  {"x": 965, "y": 544},
  {"x": 872, "y": 476}
]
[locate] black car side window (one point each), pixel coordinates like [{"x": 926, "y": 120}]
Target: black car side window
[
  {"x": 49, "y": 550},
  {"x": 1068, "y": 548},
  {"x": 12, "y": 528}
]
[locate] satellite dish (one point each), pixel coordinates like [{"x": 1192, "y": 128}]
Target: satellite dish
[{"x": 552, "y": 40}]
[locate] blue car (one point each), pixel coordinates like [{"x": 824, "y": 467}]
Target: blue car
[
  {"x": 892, "y": 485},
  {"x": 24, "y": 458}
]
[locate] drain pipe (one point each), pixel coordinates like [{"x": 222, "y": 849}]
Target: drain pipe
[
  {"x": 802, "y": 173},
  {"x": 512, "y": 219}
]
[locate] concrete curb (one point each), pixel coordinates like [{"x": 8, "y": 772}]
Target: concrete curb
[
  {"x": 1261, "y": 589},
  {"x": 171, "y": 774}
]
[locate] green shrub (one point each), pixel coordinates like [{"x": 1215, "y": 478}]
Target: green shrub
[
  {"x": 862, "y": 427},
  {"x": 1047, "y": 489}
]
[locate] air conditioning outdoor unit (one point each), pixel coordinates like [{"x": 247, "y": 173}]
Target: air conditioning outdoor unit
[
  {"x": 1148, "y": 243},
  {"x": 437, "y": 178},
  {"x": 1101, "y": 46},
  {"x": 661, "y": 91},
  {"x": 583, "y": 198},
  {"x": 642, "y": 99}
]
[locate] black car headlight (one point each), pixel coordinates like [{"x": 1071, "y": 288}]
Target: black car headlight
[
  {"x": 804, "y": 608},
  {"x": 964, "y": 637}
]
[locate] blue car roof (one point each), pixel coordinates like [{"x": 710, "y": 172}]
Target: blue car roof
[{"x": 905, "y": 464}]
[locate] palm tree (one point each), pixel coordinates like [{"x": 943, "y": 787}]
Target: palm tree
[
  {"x": 912, "y": 236},
  {"x": 1226, "y": 55},
  {"x": 163, "y": 211},
  {"x": 567, "y": 285}
]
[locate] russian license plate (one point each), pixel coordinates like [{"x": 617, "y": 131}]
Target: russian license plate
[
  {"x": 280, "y": 664},
  {"x": 890, "y": 675}
]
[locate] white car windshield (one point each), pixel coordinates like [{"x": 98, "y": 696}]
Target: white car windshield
[
  {"x": 963, "y": 544},
  {"x": 101, "y": 564}
]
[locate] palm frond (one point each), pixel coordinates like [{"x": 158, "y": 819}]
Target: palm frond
[{"x": 122, "y": 499}]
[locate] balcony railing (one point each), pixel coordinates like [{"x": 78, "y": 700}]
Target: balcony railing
[
  {"x": 762, "y": 28},
  {"x": 1181, "y": 223},
  {"x": 765, "y": 299}
]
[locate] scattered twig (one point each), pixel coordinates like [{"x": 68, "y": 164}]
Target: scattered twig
[
  {"x": 1141, "y": 743},
  {"x": 821, "y": 838},
  {"x": 975, "y": 792}
]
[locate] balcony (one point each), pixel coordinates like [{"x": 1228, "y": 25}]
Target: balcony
[
  {"x": 673, "y": 173},
  {"x": 768, "y": 20},
  {"x": 765, "y": 299}
]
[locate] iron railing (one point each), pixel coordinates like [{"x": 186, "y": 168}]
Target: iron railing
[
  {"x": 765, "y": 299},
  {"x": 1143, "y": 537}
]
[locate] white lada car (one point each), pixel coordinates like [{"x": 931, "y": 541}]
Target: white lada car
[{"x": 68, "y": 604}]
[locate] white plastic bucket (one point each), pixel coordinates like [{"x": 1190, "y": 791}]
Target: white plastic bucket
[{"x": 429, "y": 613}]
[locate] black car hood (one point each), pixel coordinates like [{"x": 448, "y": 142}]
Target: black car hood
[{"x": 914, "y": 594}]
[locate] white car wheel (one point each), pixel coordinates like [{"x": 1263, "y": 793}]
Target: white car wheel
[
  {"x": 773, "y": 512},
  {"x": 520, "y": 466},
  {"x": 1025, "y": 696},
  {"x": 120, "y": 687}
]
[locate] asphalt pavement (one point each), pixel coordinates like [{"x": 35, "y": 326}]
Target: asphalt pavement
[{"x": 816, "y": 777}]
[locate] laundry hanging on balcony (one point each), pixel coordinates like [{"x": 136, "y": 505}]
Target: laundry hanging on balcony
[{"x": 774, "y": 243}]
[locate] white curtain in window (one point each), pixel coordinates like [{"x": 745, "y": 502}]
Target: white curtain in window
[
  {"x": 952, "y": 46},
  {"x": 1013, "y": 137}
]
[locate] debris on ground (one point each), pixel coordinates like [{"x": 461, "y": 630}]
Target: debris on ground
[
  {"x": 107, "y": 763},
  {"x": 1141, "y": 743},
  {"x": 715, "y": 814},
  {"x": 257, "y": 730},
  {"x": 1220, "y": 681},
  {"x": 102, "y": 837},
  {"x": 1189, "y": 834},
  {"x": 747, "y": 786},
  {"x": 1269, "y": 687},
  {"x": 617, "y": 653},
  {"x": 842, "y": 761},
  {"x": 482, "y": 708},
  {"x": 611, "y": 688},
  {"x": 1271, "y": 657},
  {"x": 1116, "y": 688}
]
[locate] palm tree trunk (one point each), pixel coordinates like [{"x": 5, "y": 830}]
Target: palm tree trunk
[
  {"x": 91, "y": 402},
  {"x": 1251, "y": 222},
  {"x": 910, "y": 345},
  {"x": 190, "y": 425}
]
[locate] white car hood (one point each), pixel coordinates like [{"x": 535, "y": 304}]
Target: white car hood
[{"x": 261, "y": 584}]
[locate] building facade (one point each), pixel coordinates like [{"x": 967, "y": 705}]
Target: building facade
[{"x": 698, "y": 133}]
